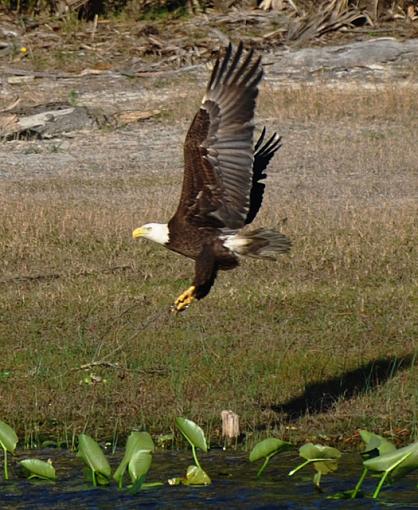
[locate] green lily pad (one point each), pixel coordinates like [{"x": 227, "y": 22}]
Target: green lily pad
[
  {"x": 324, "y": 458},
  {"x": 267, "y": 448},
  {"x": 36, "y": 468},
  {"x": 8, "y": 437},
  {"x": 375, "y": 445},
  {"x": 138, "y": 468},
  {"x": 398, "y": 462},
  {"x": 194, "y": 476},
  {"x": 192, "y": 432},
  {"x": 92, "y": 455},
  {"x": 394, "y": 464},
  {"x": 311, "y": 451},
  {"x": 136, "y": 441},
  {"x": 139, "y": 464}
]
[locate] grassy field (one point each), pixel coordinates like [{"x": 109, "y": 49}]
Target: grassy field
[{"x": 315, "y": 345}]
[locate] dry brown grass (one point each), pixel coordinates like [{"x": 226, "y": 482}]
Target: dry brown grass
[
  {"x": 308, "y": 345},
  {"x": 328, "y": 101},
  {"x": 332, "y": 101}
]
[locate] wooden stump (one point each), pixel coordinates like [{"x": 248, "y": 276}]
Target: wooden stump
[{"x": 230, "y": 426}]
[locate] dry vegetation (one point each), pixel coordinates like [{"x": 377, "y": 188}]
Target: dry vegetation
[
  {"x": 154, "y": 35},
  {"x": 319, "y": 343}
]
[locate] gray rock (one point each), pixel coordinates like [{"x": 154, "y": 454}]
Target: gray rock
[{"x": 377, "y": 55}]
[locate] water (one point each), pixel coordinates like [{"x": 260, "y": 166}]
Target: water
[{"x": 234, "y": 486}]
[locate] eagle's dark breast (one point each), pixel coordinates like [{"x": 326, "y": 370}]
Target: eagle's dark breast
[{"x": 190, "y": 240}]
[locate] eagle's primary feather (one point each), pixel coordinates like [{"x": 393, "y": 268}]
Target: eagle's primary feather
[{"x": 222, "y": 189}]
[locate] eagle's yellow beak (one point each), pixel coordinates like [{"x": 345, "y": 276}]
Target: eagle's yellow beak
[{"x": 138, "y": 232}]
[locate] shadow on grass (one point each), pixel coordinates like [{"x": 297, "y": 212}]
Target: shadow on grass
[{"x": 319, "y": 397}]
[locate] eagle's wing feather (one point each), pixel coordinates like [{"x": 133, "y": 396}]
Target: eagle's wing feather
[
  {"x": 218, "y": 149},
  {"x": 263, "y": 152}
]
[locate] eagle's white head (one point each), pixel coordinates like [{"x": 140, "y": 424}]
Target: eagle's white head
[{"x": 157, "y": 232}]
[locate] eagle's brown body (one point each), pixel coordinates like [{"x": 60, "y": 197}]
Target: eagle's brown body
[
  {"x": 197, "y": 239},
  {"x": 203, "y": 246},
  {"x": 222, "y": 189}
]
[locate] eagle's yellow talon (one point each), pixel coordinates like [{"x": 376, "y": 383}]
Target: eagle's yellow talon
[{"x": 185, "y": 299}]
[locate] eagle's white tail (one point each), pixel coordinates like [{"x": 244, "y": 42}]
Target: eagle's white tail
[{"x": 261, "y": 243}]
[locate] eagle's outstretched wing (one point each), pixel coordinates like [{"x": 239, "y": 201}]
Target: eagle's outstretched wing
[
  {"x": 218, "y": 149},
  {"x": 262, "y": 156}
]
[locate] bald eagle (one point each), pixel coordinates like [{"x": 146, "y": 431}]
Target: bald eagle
[{"x": 222, "y": 189}]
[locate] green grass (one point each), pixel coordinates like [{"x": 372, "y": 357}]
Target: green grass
[
  {"x": 266, "y": 332},
  {"x": 315, "y": 345}
]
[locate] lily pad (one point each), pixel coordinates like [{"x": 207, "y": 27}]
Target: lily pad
[
  {"x": 267, "y": 448},
  {"x": 8, "y": 437},
  {"x": 138, "y": 468},
  {"x": 196, "y": 476},
  {"x": 192, "y": 432},
  {"x": 39, "y": 469},
  {"x": 136, "y": 441},
  {"x": 311, "y": 451},
  {"x": 375, "y": 445},
  {"x": 398, "y": 462},
  {"x": 92, "y": 455},
  {"x": 394, "y": 464},
  {"x": 139, "y": 464},
  {"x": 8, "y": 441},
  {"x": 323, "y": 458}
]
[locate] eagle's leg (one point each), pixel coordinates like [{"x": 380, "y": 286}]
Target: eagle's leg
[
  {"x": 205, "y": 274},
  {"x": 185, "y": 299}
]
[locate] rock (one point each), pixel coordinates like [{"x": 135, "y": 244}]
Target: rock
[
  {"x": 45, "y": 121},
  {"x": 374, "y": 56}
]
